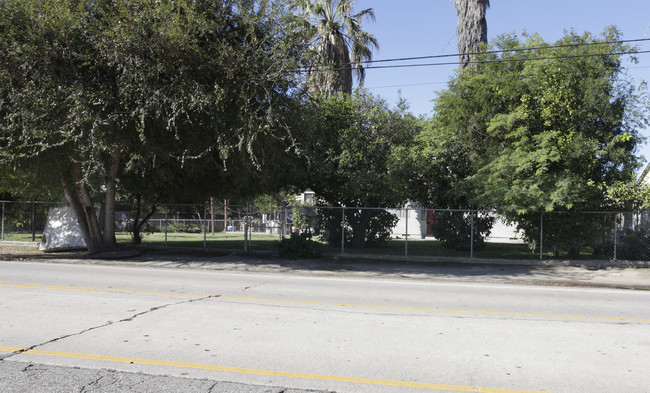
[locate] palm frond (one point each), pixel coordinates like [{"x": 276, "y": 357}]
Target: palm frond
[
  {"x": 368, "y": 13},
  {"x": 340, "y": 43}
]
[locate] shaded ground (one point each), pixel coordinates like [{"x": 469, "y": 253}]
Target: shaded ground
[{"x": 556, "y": 273}]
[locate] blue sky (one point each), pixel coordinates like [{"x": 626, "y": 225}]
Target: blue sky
[{"x": 407, "y": 28}]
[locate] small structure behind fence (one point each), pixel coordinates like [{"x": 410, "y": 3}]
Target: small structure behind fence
[{"x": 409, "y": 231}]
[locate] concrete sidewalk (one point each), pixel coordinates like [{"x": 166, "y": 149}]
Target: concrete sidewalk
[{"x": 560, "y": 273}]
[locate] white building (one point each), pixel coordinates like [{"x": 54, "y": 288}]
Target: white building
[
  {"x": 307, "y": 197},
  {"x": 414, "y": 221}
]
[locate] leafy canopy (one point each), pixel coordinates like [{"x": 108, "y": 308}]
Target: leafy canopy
[
  {"x": 164, "y": 91},
  {"x": 548, "y": 133},
  {"x": 357, "y": 155},
  {"x": 536, "y": 128}
]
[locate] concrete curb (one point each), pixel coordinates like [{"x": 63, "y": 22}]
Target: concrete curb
[
  {"x": 593, "y": 263},
  {"x": 595, "y": 274},
  {"x": 10, "y": 243},
  {"x": 497, "y": 261}
]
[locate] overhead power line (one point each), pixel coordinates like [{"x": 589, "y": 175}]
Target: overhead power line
[
  {"x": 370, "y": 65},
  {"x": 440, "y": 83},
  {"x": 506, "y": 60},
  {"x": 407, "y": 85},
  {"x": 508, "y": 50}
]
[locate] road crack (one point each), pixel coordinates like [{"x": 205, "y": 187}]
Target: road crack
[
  {"x": 91, "y": 384},
  {"x": 109, "y": 323}
]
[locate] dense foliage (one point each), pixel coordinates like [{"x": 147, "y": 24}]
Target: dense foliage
[
  {"x": 357, "y": 156},
  {"x": 534, "y": 128},
  {"x": 163, "y": 93},
  {"x": 149, "y": 102},
  {"x": 299, "y": 245}
]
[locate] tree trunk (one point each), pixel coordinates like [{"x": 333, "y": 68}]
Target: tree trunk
[
  {"x": 82, "y": 205},
  {"x": 335, "y": 74},
  {"x": 137, "y": 237},
  {"x": 108, "y": 236},
  {"x": 471, "y": 30},
  {"x": 139, "y": 224},
  {"x": 359, "y": 226},
  {"x": 78, "y": 196}
]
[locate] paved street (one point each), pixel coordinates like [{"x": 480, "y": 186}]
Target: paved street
[
  {"x": 339, "y": 332},
  {"x": 20, "y": 377}
]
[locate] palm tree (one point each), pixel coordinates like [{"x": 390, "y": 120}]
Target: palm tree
[
  {"x": 339, "y": 45},
  {"x": 471, "y": 29}
]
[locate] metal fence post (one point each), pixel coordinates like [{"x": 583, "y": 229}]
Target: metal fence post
[
  {"x": 343, "y": 230},
  {"x": 3, "y": 221},
  {"x": 471, "y": 234},
  {"x": 615, "y": 235},
  {"x": 247, "y": 228},
  {"x": 166, "y": 225},
  {"x": 406, "y": 235},
  {"x": 33, "y": 222},
  {"x": 283, "y": 221},
  {"x": 541, "y": 236},
  {"x": 245, "y": 224},
  {"x": 205, "y": 226}
]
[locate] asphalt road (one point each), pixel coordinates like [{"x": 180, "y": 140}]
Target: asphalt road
[{"x": 338, "y": 333}]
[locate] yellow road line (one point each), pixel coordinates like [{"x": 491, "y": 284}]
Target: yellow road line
[
  {"x": 399, "y": 307},
  {"x": 286, "y": 374},
  {"x": 250, "y": 299},
  {"x": 432, "y": 309}
]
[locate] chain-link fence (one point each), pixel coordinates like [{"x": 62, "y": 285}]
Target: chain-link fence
[
  {"x": 413, "y": 231},
  {"x": 23, "y": 221},
  {"x": 230, "y": 227},
  {"x": 410, "y": 231}
]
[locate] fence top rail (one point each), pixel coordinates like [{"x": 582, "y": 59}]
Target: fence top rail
[
  {"x": 42, "y": 202},
  {"x": 600, "y": 212},
  {"x": 253, "y": 207},
  {"x": 390, "y": 208}
]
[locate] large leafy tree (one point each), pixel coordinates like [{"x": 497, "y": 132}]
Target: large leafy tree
[
  {"x": 538, "y": 128},
  {"x": 357, "y": 156},
  {"x": 164, "y": 90},
  {"x": 16, "y": 184},
  {"x": 471, "y": 30},
  {"x": 339, "y": 45}
]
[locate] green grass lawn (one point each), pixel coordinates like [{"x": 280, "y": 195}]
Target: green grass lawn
[
  {"x": 395, "y": 247},
  {"x": 22, "y": 237},
  {"x": 266, "y": 242},
  {"x": 430, "y": 247},
  {"x": 230, "y": 241}
]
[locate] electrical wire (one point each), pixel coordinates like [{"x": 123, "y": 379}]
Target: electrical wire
[
  {"x": 407, "y": 85},
  {"x": 514, "y": 50},
  {"x": 507, "y": 60}
]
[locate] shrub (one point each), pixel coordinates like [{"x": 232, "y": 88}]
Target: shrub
[
  {"x": 299, "y": 246},
  {"x": 454, "y": 229},
  {"x": 631, "y": 245},
  {"x": 187, "y": 228},
  {"x": 363, "y": 227}
]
